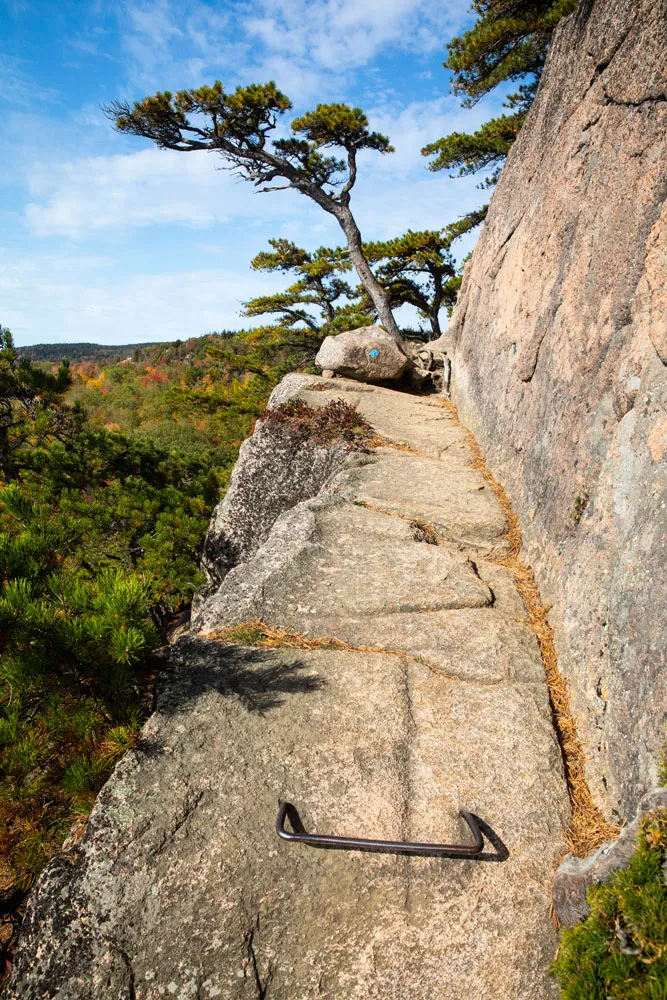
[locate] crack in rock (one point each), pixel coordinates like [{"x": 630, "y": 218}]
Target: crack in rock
[
  {"x": 190, "y": 804},
  {"x": 127, "y": 962},
  {"x": 622, "y": 102},
  {"x": 248, "y": 941}
]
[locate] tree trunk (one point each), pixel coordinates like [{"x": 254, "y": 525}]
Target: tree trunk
[
  {"x": 436, "y": 303},
  {"x": 371, "y": 284},
  {"x": 5, "y": 464}
]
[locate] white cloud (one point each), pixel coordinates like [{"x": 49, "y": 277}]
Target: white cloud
[
  {"x": 307, "y": 46},
  {"x": 412, "y": 127},
  {"x": 149, "y": 187},
  {"x": 171, "y": 45},
  {"x": 336, "y": 35},
  {"x": 42, "y": 302}
]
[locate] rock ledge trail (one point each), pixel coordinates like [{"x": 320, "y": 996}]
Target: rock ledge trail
[{"x": 180, "y": 887}]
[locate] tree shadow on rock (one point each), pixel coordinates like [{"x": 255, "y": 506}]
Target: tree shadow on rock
[{"x": 260, "y": 678}]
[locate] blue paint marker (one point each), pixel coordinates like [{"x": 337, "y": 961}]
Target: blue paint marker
[{"x": 374, "y": 353}]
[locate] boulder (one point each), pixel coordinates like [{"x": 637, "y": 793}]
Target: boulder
[{"x": 368, "y": 354}]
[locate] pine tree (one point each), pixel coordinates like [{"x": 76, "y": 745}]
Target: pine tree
[
  {"x": 509, "y": 41},
  {"x": 419, "y": 269},
  {"x": 320, "y": 302},
  {"x": 319, "y": 285},
  {"x": 29, "y": 403},
  {"x": 238, "y": 126}
]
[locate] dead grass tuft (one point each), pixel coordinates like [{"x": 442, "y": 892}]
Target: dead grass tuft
[
  {"x": 337, "y": 422},
  {"x": 265, "y": 636},
  {"x": 422, "y": 531},
  {"x": 380, "y": 441},
  {"x": 260, "y": 633},
  {"x": 588, "y": 827}
]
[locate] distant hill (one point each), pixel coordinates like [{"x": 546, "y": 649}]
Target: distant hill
[
  {"x": 154, "y": 351},
  {"x": 82, "y": 352}
]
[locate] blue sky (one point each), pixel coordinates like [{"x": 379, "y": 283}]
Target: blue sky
[{"x": 105, "y": 238}]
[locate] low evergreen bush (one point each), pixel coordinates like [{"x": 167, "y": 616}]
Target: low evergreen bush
[
  {"x": 108, "y": 476},
  {"x": 620, "y": 951}
]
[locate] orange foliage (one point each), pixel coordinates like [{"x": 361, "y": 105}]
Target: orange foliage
[{"x": 154, "y": 375}]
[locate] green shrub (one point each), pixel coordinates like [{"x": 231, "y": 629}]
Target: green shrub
[
  {"x": 620, "y": 951},
  {"x": 108, "y": 476}
]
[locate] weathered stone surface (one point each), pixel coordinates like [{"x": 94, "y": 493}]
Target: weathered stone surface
[
  {"x": 559, "y": 370},
  {"x": 181, "y": 887},
  {"x": 422, "y": 423},
  {"x": 431, "y": 367},
  {"x": 457, "y": 503},
  {"x": 368, "y": 354},
  {"x": 477, "y": 645},
  {"x": 330, "y": 558},
  {"x": 270, "y": 476},
  {"x": 576, "y": 875}
]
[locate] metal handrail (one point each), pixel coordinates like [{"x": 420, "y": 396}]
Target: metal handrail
[{"x": 298, "y": 834}]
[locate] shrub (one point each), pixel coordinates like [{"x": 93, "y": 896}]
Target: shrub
[
  {"x": 336, "y": 422},
  {"x": 620, "y": 951}
]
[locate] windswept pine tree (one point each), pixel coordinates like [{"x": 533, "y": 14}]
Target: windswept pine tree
[
  {"x": 509, "y": 41},
  {"x": 238, "y": 127},
  {"x": 417, "y": 269}
]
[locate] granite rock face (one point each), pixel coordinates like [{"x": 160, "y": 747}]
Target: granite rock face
[
  {"x": 560, "y": 354},
  {"x": 270, "y": 476},
  {"x": 368, "y": 354},
  {"x": 181, "y": 887}
]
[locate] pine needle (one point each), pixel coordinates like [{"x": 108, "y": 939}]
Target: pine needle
[
  {"x": 588, "y": 827},
  {"x": 259, "y": 633}
]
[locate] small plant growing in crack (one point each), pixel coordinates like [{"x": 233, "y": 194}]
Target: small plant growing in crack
[
  {"x": 337, "y": 422},
  {"x": 579, "y": 505},
  {"x": 424, "y": 532}
]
